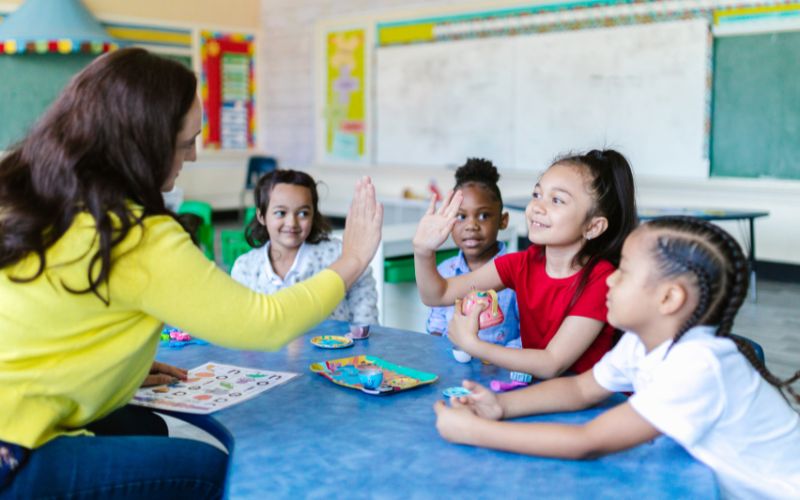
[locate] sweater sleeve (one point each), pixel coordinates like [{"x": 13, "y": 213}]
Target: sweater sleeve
[{"x": 167, "y": 277}]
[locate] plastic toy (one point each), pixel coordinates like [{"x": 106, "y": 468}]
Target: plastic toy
[
  {"x": 461, "y": 356},
  {"x": 490, "y": 316},
  {"x": 359, "y": 331},
  {"x": 371, "y": 378},
  {"x": 521, "y": 377},
  {"x": 501, "y": 386},
  {"x": 456, "y": 392}
]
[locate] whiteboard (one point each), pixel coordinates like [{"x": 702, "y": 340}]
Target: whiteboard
[{"x": 520, "y": 101}]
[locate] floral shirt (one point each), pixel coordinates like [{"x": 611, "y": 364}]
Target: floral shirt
[
  {"x": 254, "y": 270},
  {"x": 506, "y": 333}
]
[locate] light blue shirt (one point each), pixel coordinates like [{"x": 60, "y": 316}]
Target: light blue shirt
[{"x": 506, "y": 333}]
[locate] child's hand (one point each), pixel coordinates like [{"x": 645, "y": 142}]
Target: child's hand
[
  {"x": 435, "y": 225},
  {"x": 456, "y": 422},
  {"x": 362, "y": 233},
  {"x": 482, "y": 401},
  {"x": 463, "y": 329},
  {"x": 162, "y": 373}
]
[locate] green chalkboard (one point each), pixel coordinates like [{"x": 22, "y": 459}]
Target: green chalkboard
[
  {"x": 28, "y": 84},
  {"x": 755, "y": 128}
]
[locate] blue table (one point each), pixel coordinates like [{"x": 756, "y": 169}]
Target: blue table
[{"x": 312, "y": 438}]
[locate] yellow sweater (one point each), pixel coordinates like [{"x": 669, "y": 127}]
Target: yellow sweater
[{"x": 67, "y": 359}]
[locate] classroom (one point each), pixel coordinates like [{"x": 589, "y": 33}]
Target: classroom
[{"x": 700, "y": 97}]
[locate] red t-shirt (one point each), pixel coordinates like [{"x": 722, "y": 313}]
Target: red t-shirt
[{"x": 543, "y": 301}]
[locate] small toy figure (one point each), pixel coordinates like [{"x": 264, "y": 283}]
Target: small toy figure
[{"x": 490, "y": 316}]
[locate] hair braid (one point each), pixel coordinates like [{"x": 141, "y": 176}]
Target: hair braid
[
  {"x": 712, "y": 255},
  {"x": 738, "y": 273},
  {"x": 703, "y": 301}
]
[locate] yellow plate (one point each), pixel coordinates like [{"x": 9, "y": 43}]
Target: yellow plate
[{"x": 332, "y": 341}]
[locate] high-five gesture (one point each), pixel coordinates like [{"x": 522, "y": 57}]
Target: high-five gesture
[
  {"x": 362, "y": 233},
  {"x": 435, "y": 225}
]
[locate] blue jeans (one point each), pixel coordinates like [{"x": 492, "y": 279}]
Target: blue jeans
[{"x": 148, "y": 467}]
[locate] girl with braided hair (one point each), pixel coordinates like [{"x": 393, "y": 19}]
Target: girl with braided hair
[{"x": 679, "y": 286}]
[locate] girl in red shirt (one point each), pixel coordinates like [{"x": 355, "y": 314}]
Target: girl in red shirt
[{"x": 582, "y": 209}]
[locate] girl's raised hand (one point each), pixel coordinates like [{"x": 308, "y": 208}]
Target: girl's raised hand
[
  {"x": 362, "y": 233},
  {"x": 481, "y": 401},
  {"x": 435, "y": 225}
]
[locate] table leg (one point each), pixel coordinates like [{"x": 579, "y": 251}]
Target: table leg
[{"x": 752, "y": 258}]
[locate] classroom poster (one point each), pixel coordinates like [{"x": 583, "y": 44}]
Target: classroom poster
[
  {"x": 227, "y": 86},
  {"x": 345, "y": 106},
  {"x": 210, "y": 387}
]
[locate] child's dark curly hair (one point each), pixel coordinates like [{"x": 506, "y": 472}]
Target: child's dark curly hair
[{"x": 479, "y": 171}]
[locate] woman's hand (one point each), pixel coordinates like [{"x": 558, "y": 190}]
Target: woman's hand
[
  {"x": 162, "y": 373},
  {"x": 436, "y": 225},
  {"x": 455, "y": 423},
  {"x": 482, "y": 402},
  {"x": 362, "y": 233},
  {"x": 463, "y": 328}
]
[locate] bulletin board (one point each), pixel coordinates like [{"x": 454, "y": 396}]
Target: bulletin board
[
  {"x": 227, "y": 87},
  {"x": 345, "y": 95}
]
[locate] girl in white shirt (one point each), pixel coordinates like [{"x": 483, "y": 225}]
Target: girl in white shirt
[
  {"x": 679, "y": 286},
  {"x": 291, "y": 242}
]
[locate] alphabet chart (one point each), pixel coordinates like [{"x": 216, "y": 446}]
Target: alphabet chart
[{"x": 210, "y": 387}]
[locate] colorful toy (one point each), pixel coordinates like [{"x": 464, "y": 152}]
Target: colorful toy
[
  {"x": 332, "y": 341},
  {"x": 176, "y": 339},
  {"x": 370, "y": 377},
  {"x": 461, "y": 356},
  {"x": 456, "y": 392},
  {"x": 501, "y": 386},
  {"x": 347, "y": 372},
  {"x": 521, "y": 377},
  {"x": 359, "y": 331},
  {"x": 490, "y": 316}
]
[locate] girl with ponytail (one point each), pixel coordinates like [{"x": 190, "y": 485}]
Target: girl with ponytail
[
  {"x": 581, "y": 210},
  {"x": 679, "y": 286}
]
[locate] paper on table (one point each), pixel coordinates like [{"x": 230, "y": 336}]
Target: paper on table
[{"x": 210, "y": 387}]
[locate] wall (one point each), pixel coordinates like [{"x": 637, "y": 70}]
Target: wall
[{"x": 287, "y": 105}]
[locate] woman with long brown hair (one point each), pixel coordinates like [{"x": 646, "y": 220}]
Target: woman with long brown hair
[{"x": 92, "y": 263}]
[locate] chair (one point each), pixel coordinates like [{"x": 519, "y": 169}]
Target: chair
[
  {"x": 205, "y": 233},
  {"x": 233, "y": 245},
  {"x": 256, "y": 167},
  {"x": 249, "y": 214},
  {"x": 755, "y": 345}
]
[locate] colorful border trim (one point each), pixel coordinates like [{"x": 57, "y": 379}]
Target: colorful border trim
[
  {"x": 124, "y": 32},
  {"x": 573, "y": 16},
  {"x": 149, "y": 35},
  {"x": 62, "y": 46},
  {"x": 760, "y": 12}
]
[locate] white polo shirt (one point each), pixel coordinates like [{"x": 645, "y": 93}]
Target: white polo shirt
[{"x": 706, "y": 396}]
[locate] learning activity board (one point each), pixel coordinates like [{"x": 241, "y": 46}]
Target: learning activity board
[
  {"x": 210, "y": 387},
  {"x": 346, "y": 371}
]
